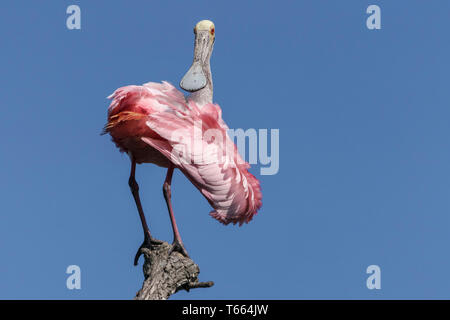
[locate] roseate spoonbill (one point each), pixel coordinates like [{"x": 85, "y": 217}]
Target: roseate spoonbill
[{"x": 155, "y": 123}]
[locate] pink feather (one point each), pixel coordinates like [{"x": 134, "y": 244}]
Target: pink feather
[{"x": 157, "y": 125}]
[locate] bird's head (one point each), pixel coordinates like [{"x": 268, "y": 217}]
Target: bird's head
[{"x": 196, "y": 77}]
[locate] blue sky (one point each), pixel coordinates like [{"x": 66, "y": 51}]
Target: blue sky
[{"x": 364, "y": 147}]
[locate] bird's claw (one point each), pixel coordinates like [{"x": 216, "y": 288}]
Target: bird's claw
[
  {"x": 148, "y": 243},
  {"x": 178, "y": 247}
]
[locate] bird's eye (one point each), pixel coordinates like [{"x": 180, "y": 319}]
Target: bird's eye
[
  {"x": 195, "y": 30},
  {"x": 212, "y": 31}
]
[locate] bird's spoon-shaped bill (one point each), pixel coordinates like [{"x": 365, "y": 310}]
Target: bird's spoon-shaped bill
[{"x": 194, "y": 79}]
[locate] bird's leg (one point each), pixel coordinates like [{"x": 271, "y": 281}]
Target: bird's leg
[
  {"x": 177, "y": 244},
  {"x": 148, "y": 240}
]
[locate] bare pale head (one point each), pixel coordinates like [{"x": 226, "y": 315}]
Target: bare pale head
[{"x": 199, "y": 74}]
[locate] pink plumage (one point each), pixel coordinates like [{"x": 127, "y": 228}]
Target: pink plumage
[{"x": 155, "y": 124}]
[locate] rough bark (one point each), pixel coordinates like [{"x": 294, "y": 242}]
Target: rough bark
[{"x": 165, "y": 273}]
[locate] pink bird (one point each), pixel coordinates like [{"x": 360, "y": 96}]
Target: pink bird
[{"x": 155, "y": 123}]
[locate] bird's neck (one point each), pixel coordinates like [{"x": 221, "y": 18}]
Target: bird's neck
[{"x": 205, "y": 95}]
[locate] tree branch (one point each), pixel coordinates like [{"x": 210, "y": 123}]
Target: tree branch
[{"x": 167, "y": 274}]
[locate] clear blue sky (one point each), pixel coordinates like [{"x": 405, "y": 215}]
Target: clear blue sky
[{"x": 364, "y": 147}]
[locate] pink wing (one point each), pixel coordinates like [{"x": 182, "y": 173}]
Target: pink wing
[{"x": 195, "y": 140}]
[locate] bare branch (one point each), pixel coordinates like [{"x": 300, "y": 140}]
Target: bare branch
[{"x": 167, "y": 274}]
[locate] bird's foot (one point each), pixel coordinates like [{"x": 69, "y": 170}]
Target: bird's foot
[
  {"x": 149, "y": 243},
  {"x": 178, "y": 247}
]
